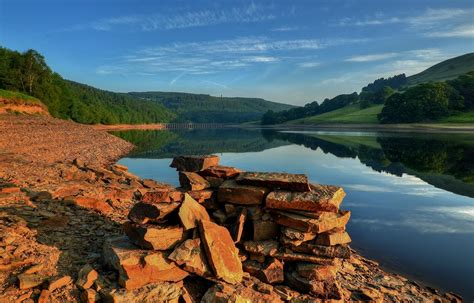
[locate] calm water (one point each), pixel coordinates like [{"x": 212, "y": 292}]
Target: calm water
[{"x": 411, "y": 195}]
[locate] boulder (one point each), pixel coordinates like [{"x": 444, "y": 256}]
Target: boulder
[
  {"x": 192, "y": 181},
  {"x": 146, "y": 212},
  {"x": 221, "y": 252},
  {"x": 231, "y": 192},
  {"x": 194, "y": 163},
  {"x": 333, "y": 237},
  {"x": 191, "y": 212},
  {"x": 264, "y": 230},
  {"x": 190, "y": 254},
  {"x": 320, "y": 198},
  {"x": 154, "y": 237},
  {"x": 162, "y": 195},
  {"x": 284, "y": 181},
  {"x": 219, "y": 171},
  {"x": 138, "y": 267},
  {"x": 325, "y": 222},
  {"x": 270, "y": 272}
]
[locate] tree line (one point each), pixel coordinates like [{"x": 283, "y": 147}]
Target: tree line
[{"x": 27, "y": 72}]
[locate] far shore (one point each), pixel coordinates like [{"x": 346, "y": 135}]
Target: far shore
[{"x": 416, "y": 127}]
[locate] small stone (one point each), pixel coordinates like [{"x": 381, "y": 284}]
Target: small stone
[
  {"x": 294, "y": 234},
  {"x": 86, "y": 277},
  {"x": 89, "y": 296},
  {"x": 284, "y": 181},
  {"x": 192, "y": 181},
  {"x": 162, "y": 195},
  {"x": 29, "y": 280},
  {"x": 270, "y": 272},
  {"x": 201, "y": 195},
  {"x": 34, "y": 269},
  {"x": 194, "y": 163},
  {"x": 231, "y": 192},
  {"x": 44, "y": 296},
  {"x": 222, "y": 254},
  {"x": 191, "y": 212},
  {"x": 59, "y": 282},
  {"x": 239, "y": 225},
  {"x": 264, "y": 248},
  {"x": 154, "y": 237}
]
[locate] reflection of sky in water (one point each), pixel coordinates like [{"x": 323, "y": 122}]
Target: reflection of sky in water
[{"x": 404, "y": 222}]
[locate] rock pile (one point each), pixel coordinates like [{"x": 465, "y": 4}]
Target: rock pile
[{"x": 255, "y": 235}]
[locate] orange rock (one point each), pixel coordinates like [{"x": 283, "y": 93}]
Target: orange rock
[
  {"x": 270, "y": 272},
  {"x": 221, "y": 252},
  {"x": 59, "y": 282},
  {"x": 262, "y": 248},
  {"x": 320, "y": 198},
  {"x": 194, "y": 163},
  {"x": 231, "y": 192},
  {"x": 162, "y": 195},
  {"x": 89, "y": 296},
  {"x": 224, "y": 293},
  {"x": 322, "y": 289},
  {"x": 325, "y": 221},
  {"x": 201, "y": 195},
  {"x": 191, "y": 254},
  {"x": 239, "y": 225},
  {"x": 137, "y": 267},
  {"x": 192, "y": 181},
  {"x": 191, "y": 212},
  {"x": 86, "y": 277},
  {"x": 145, "y": 212},
  {"x": 155, "y": 237},
  {"x": 44, "y": 296},
  {"x": 333, "y": 237},
  {"x": 91, "y": 203},
  {"x": 338, "y": 251},
  {"x": 220, "y": 171},
  {"x": 316, "y": 272},
  {"x": 284, "y": 181}
]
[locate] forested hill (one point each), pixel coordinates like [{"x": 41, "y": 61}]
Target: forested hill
[
  {"x": 28, "y": 73},
  {"x": 205, "y": 108}
]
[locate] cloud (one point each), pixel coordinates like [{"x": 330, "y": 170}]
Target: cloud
[
  {"x": 153, "y": 22},
  {"x": 285, "y": 29},
  {"x": 372, "y": 57},
  {"x": 309, "y": 64},
  {"x": 464, "y": 31}
]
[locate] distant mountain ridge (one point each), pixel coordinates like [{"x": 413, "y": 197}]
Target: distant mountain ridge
[{"x": 204, "y": 108}]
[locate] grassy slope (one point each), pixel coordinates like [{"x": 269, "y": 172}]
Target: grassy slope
[
  {"x": 25, "y": 99},
  {"x": 348, "y": 114},
  {"x": 446, "y": 70}
]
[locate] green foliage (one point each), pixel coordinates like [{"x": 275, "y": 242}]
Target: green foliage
[
  {"x": 202, "y": 108},
  {"x": 28, "y": 73},
  {"x": 7, "y": 94},
  {"x": 464, "y": 84},
  {"x": 424, "y": 102},
  {"x": 394, "y": 82},
  {"x": 368, "y": 98},
  {"x": 347, "y": 114}
]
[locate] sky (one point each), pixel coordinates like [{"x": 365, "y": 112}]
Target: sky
[{"x": 286, "y": 51}]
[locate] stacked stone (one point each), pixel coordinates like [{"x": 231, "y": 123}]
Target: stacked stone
[{"x": 283, "y": 231}]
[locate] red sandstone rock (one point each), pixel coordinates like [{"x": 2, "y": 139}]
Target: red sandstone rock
[
  {"x": 220, "y": 171},
  {"x": 284, "y": 181},
  {"x": 325, "y": 222},
  {"x": 192, "y": 181},
  {"x": 91, "y": 203},
  {"x": 238, "y": 227},
  {"x": 316, "y": 272},
  {"x": 155, "y": 237},
  {"x": 86, "y": 277},
  {"x": 191, "y": 212},
  {"x": 270, "y": 272},
  {"x": 231, "y": 192},
  {"x": 194, "y": 163},
  {"x": 221, "y": 252},
  {"x": 137, "y": 267},
  {"x": 338, "y": 251},
  {"x": 265, "y": 248},
  {"x": 322, "y": 289},
  {"x": 44, "y": 296},
  {"x": 224, "y": 293},
  {"x": 333, "y": 237},
  {"x": 151, "y": 293},
  {"x": 145, "y": 212},
  {"x": 296, "y": 235},
  {"x": 320, "y": 198},
  {"x": 201, "y": 195},
  {"x": 191, "y": 254},
  {"x": 297, "y": 257},
  {"x": 163, "y": 195},
  {"x": 59, "y": 282}
]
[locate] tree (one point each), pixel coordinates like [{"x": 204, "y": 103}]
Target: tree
[{"x": 465, "y": 86}]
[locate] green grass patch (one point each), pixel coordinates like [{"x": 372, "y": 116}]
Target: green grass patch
[
  {"x": 347, "y": 114},
  {"x": 467, "y": 117},
  {"x": 18, "y": 97}
]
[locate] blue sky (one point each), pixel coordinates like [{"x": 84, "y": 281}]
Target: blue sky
[{"x": 288, "y": 51}]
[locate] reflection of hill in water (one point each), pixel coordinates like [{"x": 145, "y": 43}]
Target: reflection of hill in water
[
  {"x": 167, "y": 144},
  {"x": 444, "y": 161}
]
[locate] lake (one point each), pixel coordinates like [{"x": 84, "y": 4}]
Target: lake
[{"x": 411, "y": 195}]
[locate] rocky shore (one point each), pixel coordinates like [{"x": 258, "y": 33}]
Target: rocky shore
[{"x": 76, "y": 227}]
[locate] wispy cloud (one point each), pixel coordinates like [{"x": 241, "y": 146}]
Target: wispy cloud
[
  {"x": 285, "y": 29},
  {"x": 152, "y": 22},
  {"x": 371, "y": 57},
  {"x": 465, "y": 31},
  {"x": 309, "y": 64},
  {"x": 219, "y": 55}
]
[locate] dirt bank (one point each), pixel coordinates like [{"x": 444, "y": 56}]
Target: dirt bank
[{"x": 62, "y": 196}]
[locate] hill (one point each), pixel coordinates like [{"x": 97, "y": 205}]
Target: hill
[
  {"x": 457, "y": 72},
  {"x": 445, "y": 70},
  {"x": 18, "y": 103},
  {"x": 202, "y": 108}
]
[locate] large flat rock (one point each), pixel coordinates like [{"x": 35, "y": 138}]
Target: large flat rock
[
  {"x": 324, "y": 222},
  {"x": 192, "y": 181},
  {"x": 145, "y": 212},
  {"x": 194, "y": 163},
  {"x": 190, "y": 254},
  {"x": 231, "y": 192},
  {"x": 320, "y": 198},
  {"x": 221, "y": 252},
  {"x": 154, "y": 237},
  {"x": 137, "y": 267},
  {"x": 191, "y": 212},
  {"x": 220, "y": 171},
  {"x": 333, "y": 237},
  {"x": 162, "y": 195},
  {"x": 284, "y": 181},
  {"x": 337, "y": 251}
]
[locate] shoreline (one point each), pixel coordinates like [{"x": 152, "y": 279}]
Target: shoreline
[{"x": 75, "y": 164}]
